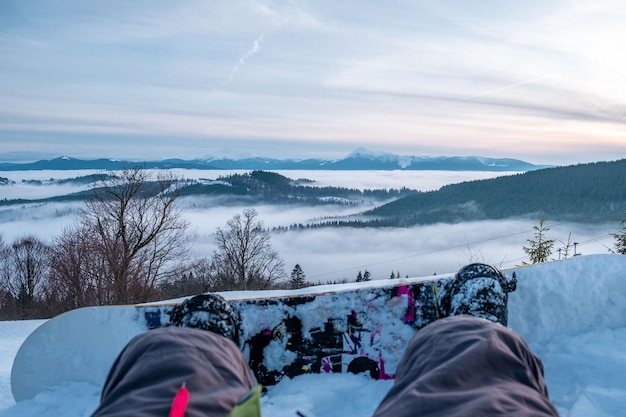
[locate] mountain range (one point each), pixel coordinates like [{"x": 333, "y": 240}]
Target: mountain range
[
  {"x": 585, "y": 193},
  {"x": 359, "y": 159}
]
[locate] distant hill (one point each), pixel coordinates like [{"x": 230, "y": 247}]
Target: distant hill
[
  {"x": 586, "y": 192},
  {"x": 360, "y": 159},
  {"x": 251, "y": 187}
]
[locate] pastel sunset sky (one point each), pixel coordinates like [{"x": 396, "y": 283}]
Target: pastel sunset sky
[{"x": 539, "y": 80}]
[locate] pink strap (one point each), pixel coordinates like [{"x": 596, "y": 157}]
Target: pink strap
[{"x": 179, "y": 405}]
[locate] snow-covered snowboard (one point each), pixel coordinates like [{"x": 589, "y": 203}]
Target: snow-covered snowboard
[{"x": 356, "y": 327}]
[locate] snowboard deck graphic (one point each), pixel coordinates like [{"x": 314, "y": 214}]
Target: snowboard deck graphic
[{"x": 356, "y": 327}]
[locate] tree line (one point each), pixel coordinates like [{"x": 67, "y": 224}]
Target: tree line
[
  {"x": 254, "y": 186},
  {"x": 130, "y": 244},
  {"x": 591, "y": 192},
  {"x": 587, "y": 193}
]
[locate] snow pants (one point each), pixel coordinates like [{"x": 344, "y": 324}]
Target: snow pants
[
  {"x": 470, "y": 367},
  {"x": 149, "y": 372},
  {"x": 457, "y": 366}
]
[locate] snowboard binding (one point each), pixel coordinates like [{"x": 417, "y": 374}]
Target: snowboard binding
[
  {"x": 479, "y": 290},
  {"x": 208, "y": 312}
]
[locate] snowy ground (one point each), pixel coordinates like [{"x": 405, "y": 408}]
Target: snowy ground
[{"x": 572, "y": 313}]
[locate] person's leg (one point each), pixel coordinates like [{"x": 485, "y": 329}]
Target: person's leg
[
  {"x": 151, "y": 369},
  {"x": 467, "y": 366}
]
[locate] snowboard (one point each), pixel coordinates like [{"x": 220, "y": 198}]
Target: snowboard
[{"x": 355, "y": 327}]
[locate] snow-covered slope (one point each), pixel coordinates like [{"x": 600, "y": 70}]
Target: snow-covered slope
[
  {"x": 569, "y": 297},
  {"x": 571, "y": 312}
]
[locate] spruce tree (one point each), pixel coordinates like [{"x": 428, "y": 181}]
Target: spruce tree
[
  {"x": 297, "y": 279},
  {"x": 620, "y": 239},
  {"x": 367, "y": 276},
  {"x": 540, "y": 248}
]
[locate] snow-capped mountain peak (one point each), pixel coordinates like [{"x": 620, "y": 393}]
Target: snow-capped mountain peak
[
  {"x": 362, "y": 152},
  {"x": 228, "y": 154}
]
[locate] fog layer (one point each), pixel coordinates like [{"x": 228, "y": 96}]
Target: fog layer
[{"x": 340, "y": 253}]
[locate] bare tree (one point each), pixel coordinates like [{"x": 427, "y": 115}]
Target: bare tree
[
  {"x": 6, "y": 305},
  {"x": 26, "y": 270},
  {"x": 245, "y": 259},
  {"x": 564, "y": 250},
  {"x": 72, "y": 282},
  {"x": 137, "y": 235}
]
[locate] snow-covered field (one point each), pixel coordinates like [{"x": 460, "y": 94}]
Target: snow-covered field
[{"x": 572, "y": 313}]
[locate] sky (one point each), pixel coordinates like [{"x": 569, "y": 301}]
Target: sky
[{"x": 149, "y": 79}]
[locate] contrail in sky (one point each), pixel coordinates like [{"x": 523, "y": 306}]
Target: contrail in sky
[
  {"x": 532, "y": 80},
  {"x": 253, "y": 50}
]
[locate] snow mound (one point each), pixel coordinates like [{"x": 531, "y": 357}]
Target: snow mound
[{"x": 569, "y": 297}]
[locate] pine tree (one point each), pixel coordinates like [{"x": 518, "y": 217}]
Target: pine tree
[
  {"x": 367, "y": 276},
  {"x": 540, "y": 248},
  {"x": 359, "y": 277},
  {"x": 620, "y": 239},
  {"x": 298, "y": 279},
  {"x": 393, "y": 275}
]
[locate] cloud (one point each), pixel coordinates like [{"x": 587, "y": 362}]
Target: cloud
[
  {"x": 437, "y": 76},
  {"x": 506, "y": 87},
  {"x": 335, "y": 254},
  {"x": 256, "y": 45}
]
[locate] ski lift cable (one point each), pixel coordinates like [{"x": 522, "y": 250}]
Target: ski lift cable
[
  {"x": 597, "y": 238},
  {"x": 419, "y": 254}
]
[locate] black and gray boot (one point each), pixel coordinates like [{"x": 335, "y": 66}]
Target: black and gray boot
[
  {"x": 479, "y": 290},
  {"x": 208, "y": 312}
]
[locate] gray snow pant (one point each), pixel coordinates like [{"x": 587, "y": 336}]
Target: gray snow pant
[
  {"x": 457, "y": 366},
  {"x": 148, "y": 373},
  {"x": 469, "y": 367}
]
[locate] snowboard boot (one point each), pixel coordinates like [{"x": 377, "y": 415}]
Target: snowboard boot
[
  {"x": 208, "y": 312},
  {"x": 478, "y": 290}
]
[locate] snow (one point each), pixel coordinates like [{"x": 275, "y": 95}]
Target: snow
[
  {"x": 12, "y": 334},
  {"x": 572, "y": 313}
]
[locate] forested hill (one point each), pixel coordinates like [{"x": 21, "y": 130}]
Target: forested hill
[
  {"x": 273, "y": 188},
  {"x": 252, "y": 188},
  {"x": 592, "y": 192}
]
